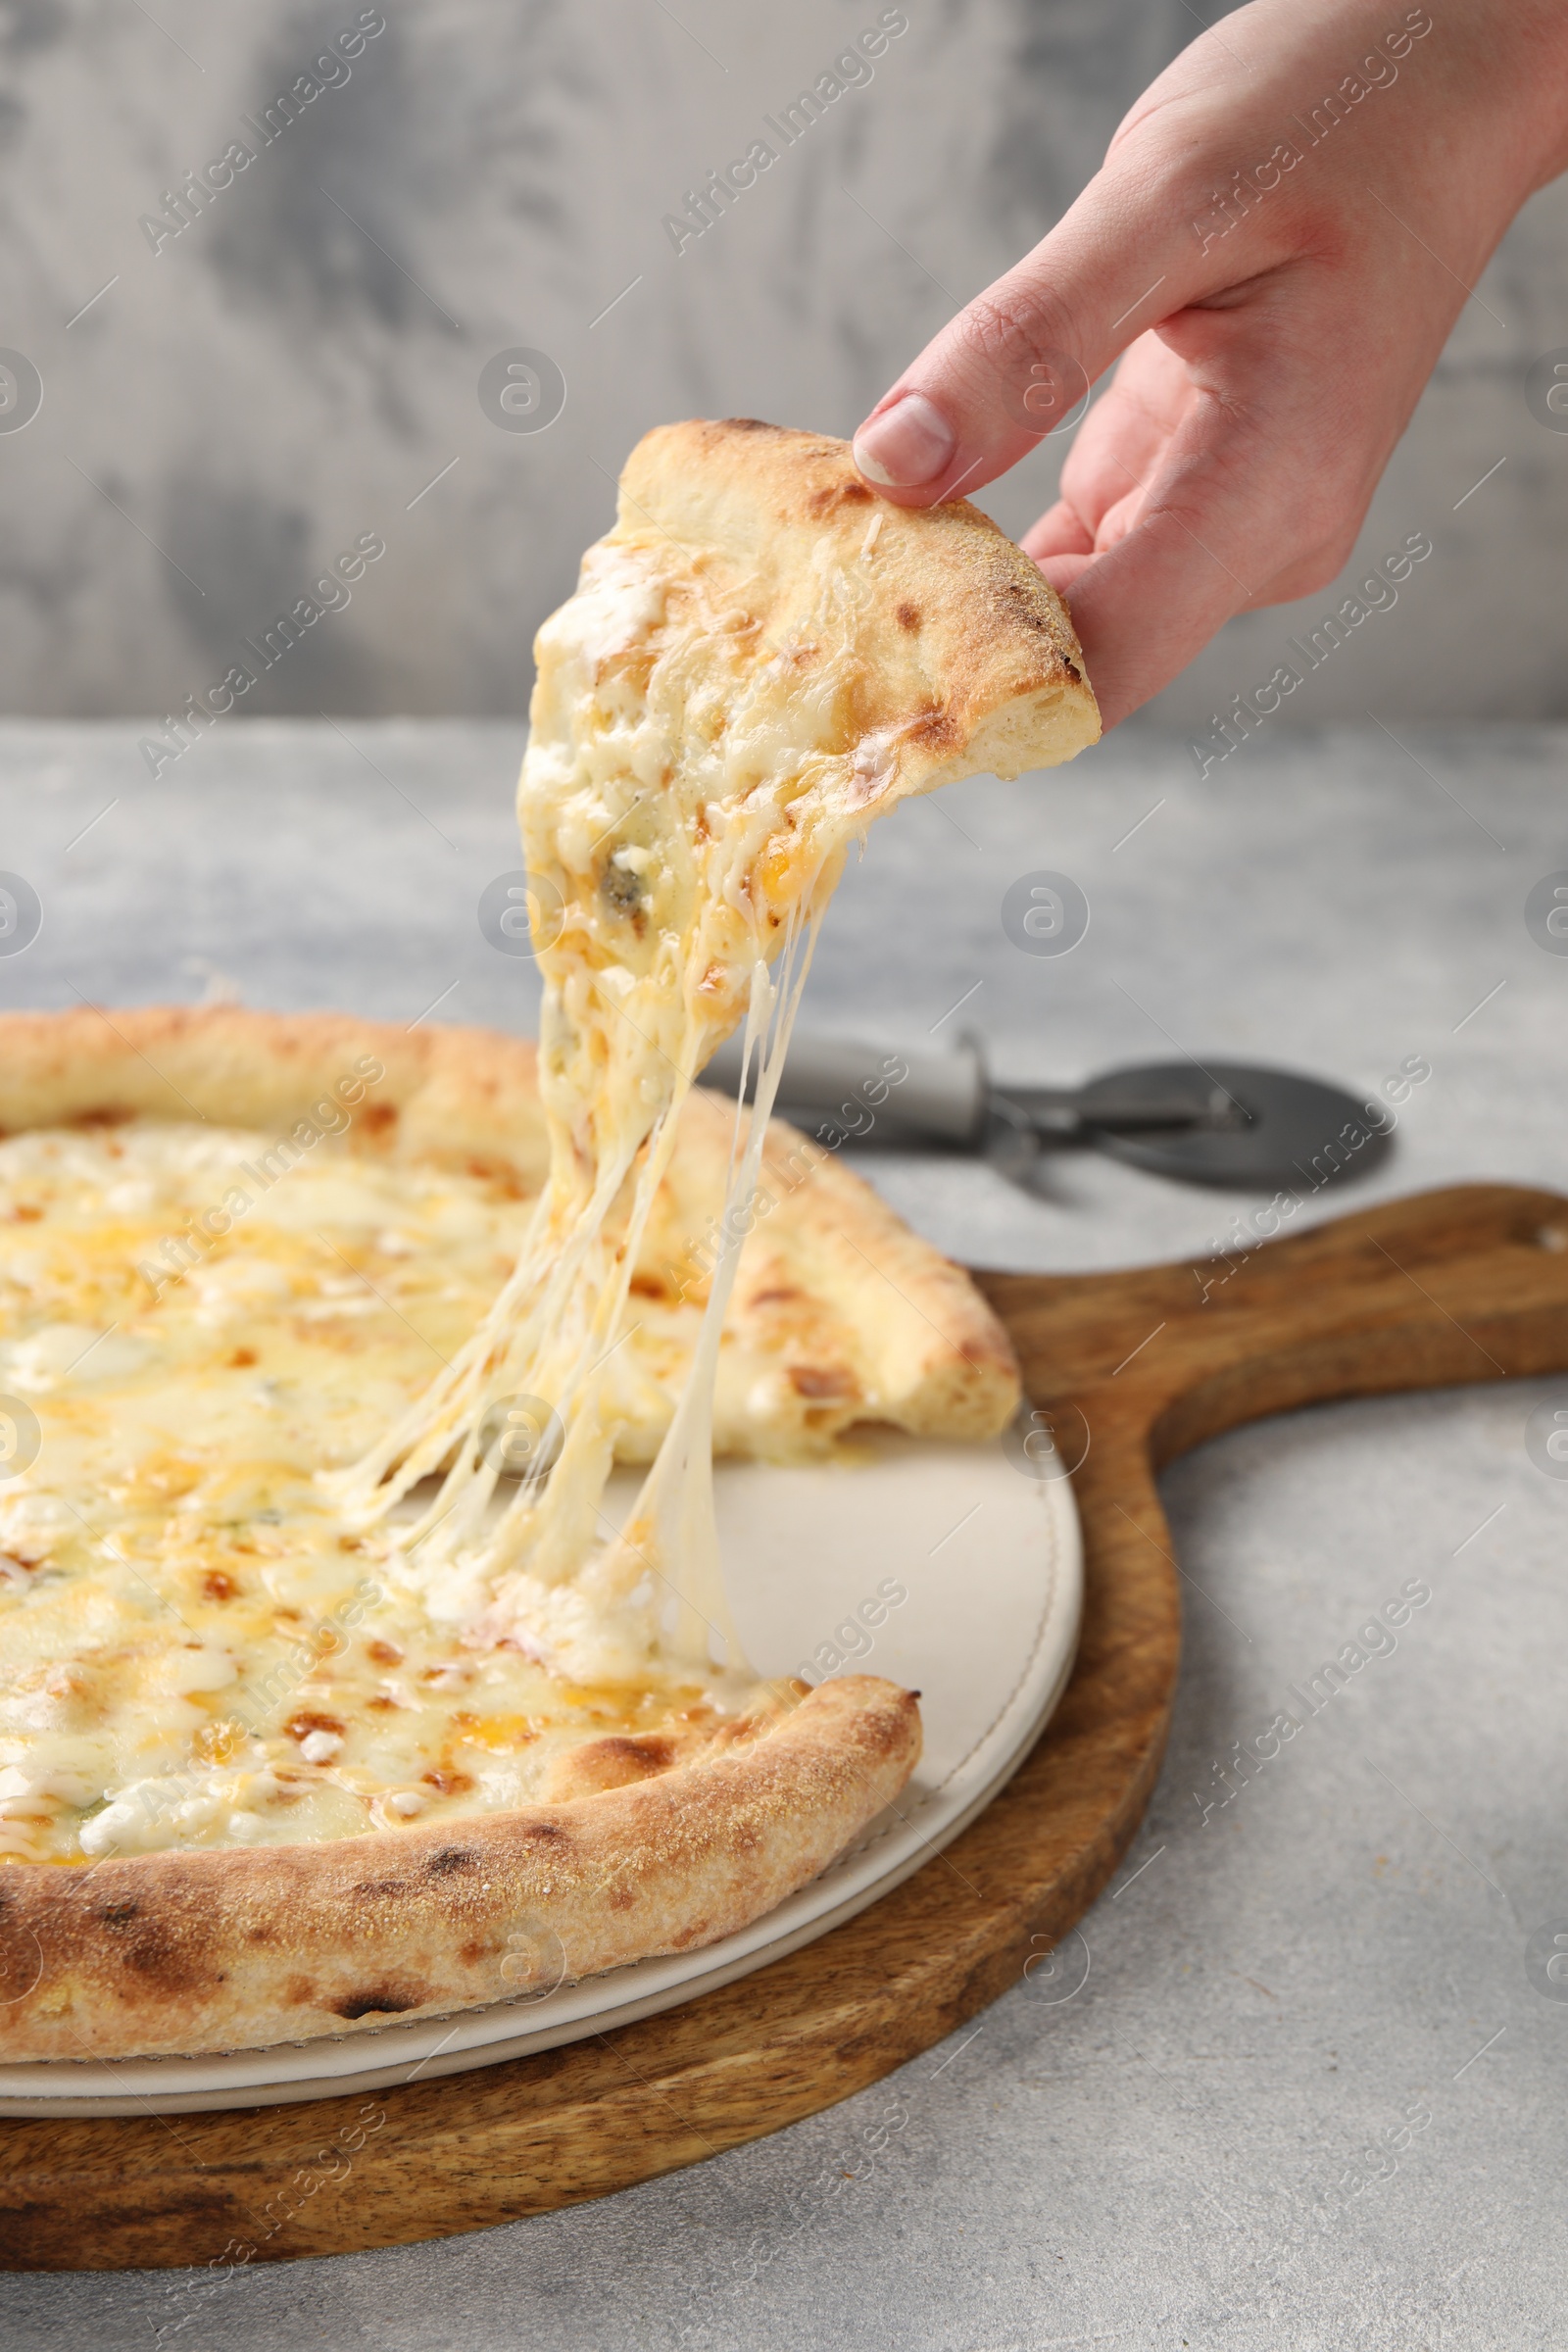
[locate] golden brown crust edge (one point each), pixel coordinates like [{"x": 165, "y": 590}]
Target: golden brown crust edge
[
  {"x": 441, "y": 1092},
  {"x": 967, "y": 651},
  {"x": 221, "y": 1950},
  {"x": 943, "y": 1364},
  {"x": 939, "y": 1361}
]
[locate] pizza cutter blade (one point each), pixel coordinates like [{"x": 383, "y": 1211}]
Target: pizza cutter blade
[{"x": 1227, "y": 1123}]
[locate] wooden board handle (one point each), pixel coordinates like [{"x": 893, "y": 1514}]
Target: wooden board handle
[
  {"x": 1131, "y": 1370},
  {"x": 1466, "y": 1284}
]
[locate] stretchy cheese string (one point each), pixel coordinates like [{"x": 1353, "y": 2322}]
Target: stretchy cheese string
[
  {"x": 674, "y": 1521},
  {"x": 619, "y": 1050},
  {"x": 672, "y": 1533}
]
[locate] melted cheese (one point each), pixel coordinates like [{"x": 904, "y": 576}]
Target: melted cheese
[
  {"x": 686, "y": 802},
  {"x": 195, "y": 1645},
  {"x": 214, "y": 1525}
]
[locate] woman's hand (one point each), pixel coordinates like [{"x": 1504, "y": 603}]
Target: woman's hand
[{"x": 1281, "y": 236}]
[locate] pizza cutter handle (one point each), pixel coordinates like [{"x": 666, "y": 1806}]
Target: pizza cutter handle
[
  {"x": 947, "y": 1097},
  {"x": 941, "y": 1094}
]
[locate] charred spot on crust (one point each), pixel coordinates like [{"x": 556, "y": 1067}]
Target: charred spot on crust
[
  {"x": 839, "y": 494},
  {"x": 651, "y": 1751},
  {"x": 749, "y": 424},
  {"x": 383, "y": 2000},
  {"x": 382, "y": 1889},
  {"x": 158, "y": 1956},
  {"x": 441, "y": 1865},
  {"x": 936, "y": 728},
  {"x": 619, "y": 1760},
  {"x": 1025, "y": 609},
  {"x": 119, "y": 1914},
  {"x": 909, "y": 616},
  {"x": 545, "y": 1829}
]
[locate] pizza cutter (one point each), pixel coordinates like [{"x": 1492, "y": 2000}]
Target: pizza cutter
[{"x": 1214, "y": 1122}]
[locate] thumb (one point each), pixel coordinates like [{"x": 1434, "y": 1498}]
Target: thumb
[{"x": 1017, "y": 364}]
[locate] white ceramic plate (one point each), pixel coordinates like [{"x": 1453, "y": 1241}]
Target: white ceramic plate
[{"x": 990, "y": 1563}]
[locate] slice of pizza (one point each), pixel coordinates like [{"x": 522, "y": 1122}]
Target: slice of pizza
[
  {"x": 760, "y": 658},
  {"x": 328, "y": 1726}
]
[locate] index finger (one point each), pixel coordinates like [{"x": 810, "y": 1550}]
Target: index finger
[{"x": 1015, "y": 363}]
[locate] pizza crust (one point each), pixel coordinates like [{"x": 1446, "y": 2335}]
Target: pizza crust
[
  {"x": 964, "y": 658},
  {"x": 932, "y": 1358},
  {"x": 910, "y": 1342},
  {"x": 445, "y": 1095},
  {"x": 217, "y": 1950},
  {"x": 652, "y": 1843}
]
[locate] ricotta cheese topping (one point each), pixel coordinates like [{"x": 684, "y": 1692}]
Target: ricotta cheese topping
[{"x": 196, "y": 1645}]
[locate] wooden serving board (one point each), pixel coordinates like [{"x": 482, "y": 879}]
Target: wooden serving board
[{"x": 1464, "y": 1285}]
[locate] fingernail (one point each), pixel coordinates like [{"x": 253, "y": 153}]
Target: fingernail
[{"x": 909, "y": 444}]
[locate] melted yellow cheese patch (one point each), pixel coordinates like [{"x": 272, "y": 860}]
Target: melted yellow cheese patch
[{"x": 195, "y": 1644}]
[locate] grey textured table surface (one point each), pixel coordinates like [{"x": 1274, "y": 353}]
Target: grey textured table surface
[{"x": 1320, "y": 1982}]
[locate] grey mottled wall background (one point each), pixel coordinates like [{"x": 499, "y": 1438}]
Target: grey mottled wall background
[{"x": 291, "y": 370}]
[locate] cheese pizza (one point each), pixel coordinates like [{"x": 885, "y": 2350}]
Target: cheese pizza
[{"x": 330, "y": 1691}]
